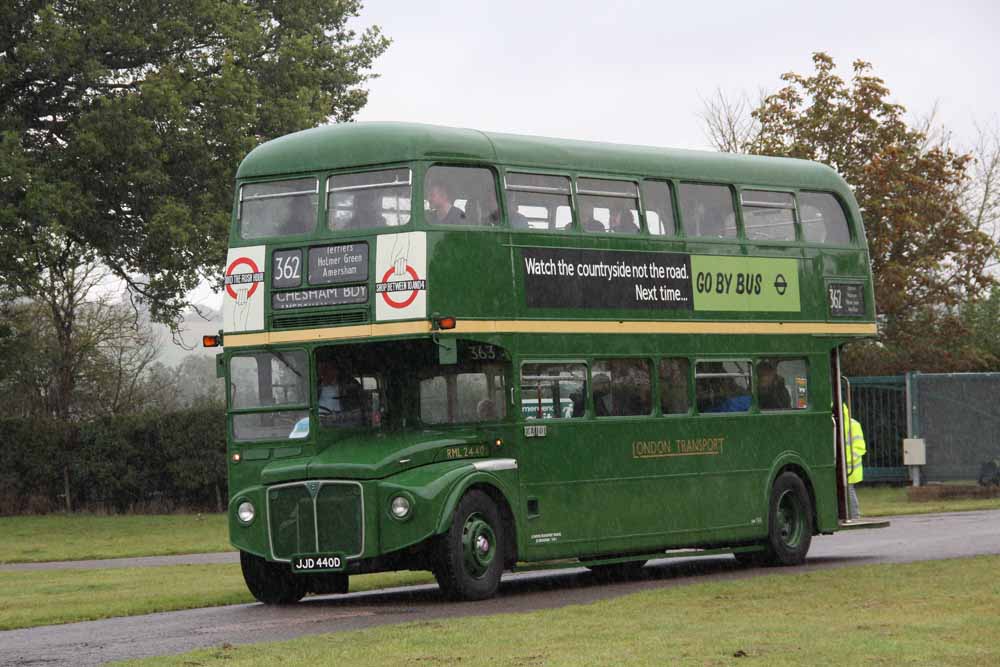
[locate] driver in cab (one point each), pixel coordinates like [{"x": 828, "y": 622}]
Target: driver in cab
[{"x": 339, "y": 396}]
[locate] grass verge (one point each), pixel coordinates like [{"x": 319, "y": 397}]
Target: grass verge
[
  {"x": 892, "y": 500},
  {"x": 29, "y": 599},
  {"x": 31, "y": 539},
  {"x": 932, "y": 613}
]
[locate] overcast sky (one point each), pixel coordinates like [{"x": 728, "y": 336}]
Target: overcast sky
[{"x": 637, "y": 72}]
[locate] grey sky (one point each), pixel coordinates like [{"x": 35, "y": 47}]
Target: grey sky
[{"x": 636, "y": 72}]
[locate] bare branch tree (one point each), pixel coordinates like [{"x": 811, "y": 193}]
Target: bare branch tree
[{"x": 729, "y": 123}]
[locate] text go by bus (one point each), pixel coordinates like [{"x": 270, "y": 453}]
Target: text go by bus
[{"x": 469, "y": 352}]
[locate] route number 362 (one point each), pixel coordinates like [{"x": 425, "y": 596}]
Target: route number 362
[{"x": 288, "y": 268}]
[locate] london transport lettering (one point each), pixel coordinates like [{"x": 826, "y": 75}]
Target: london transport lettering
[{"x": 658, "y": 449}]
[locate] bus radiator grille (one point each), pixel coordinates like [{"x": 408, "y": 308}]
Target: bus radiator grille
[{"x": 316, "y": 517}]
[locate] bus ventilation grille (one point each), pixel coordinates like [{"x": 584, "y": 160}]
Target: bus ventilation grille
[{"x": 321, "y": 320}]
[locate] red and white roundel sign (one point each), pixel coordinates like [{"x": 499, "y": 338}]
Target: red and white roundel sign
[
  {"x": 401, "y": 276},
  {"x": 400, "y": 287},
  {"x": 253, "y": 275},
  {"x": 243, "y": 305}
]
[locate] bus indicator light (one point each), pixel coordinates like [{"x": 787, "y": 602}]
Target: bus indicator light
[
  {"x": 236, "y": 457},
  {"x": 444, "y": 323},
  {"x": 211, "y": 341},
  {"x": 498, "y": 442}
]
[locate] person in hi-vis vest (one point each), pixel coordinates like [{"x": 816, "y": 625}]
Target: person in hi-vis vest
[{"x": 854, "y": 450}]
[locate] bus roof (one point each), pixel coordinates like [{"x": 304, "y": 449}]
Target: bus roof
[{"x": 366, "y": 144}]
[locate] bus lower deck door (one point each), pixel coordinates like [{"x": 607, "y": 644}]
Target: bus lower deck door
[{"x": 841, "y": 395}]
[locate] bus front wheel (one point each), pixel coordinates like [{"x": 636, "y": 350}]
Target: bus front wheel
[
  {"x": 271, "y": 583},
  {"x": 790, "y": 522},
  {"x": 469, "y": 558}
]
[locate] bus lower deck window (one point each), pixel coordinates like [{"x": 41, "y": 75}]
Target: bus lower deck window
[{"x": 723, "y": 386}]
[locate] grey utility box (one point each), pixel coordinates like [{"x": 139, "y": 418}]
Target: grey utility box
[{"x": 914, "y": 452}]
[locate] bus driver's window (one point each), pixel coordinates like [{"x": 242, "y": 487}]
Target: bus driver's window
[{"x": 460, "y": 196}]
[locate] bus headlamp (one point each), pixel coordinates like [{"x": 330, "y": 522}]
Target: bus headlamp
[
  {"x": 246, "y": 512},
  {"x": 400, "y": 507}
]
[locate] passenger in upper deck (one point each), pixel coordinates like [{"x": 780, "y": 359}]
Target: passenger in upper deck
[
  {"x": 366, "y": 211},
  {"x": 443, "y": 212},
  {"x": 517, "y": 219},
  {"x": 622, "y": 221}
]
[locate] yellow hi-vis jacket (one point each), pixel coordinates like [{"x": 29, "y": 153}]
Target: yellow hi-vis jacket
[{"x": 854, "y": 448}]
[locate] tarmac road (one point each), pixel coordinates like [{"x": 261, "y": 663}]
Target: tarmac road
[{"x": 922, "y": 537}]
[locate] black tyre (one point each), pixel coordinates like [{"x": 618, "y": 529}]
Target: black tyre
[
  {"x": 469, "y": 558},
  {"x": 790, "y": 522},
  {"x": 618, "y": 571},
  {"x": 271, "y": 583}
]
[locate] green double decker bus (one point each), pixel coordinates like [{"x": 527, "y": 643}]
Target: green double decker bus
[{"x": 467, "y": 352}]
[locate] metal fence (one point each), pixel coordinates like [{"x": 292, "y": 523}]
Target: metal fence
[
  {"x": 957, "y": 415},
  {"x": 879, "y": 403}
]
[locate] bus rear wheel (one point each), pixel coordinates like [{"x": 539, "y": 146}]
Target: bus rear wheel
[
  {"x": 469, "y": 558},
  {"x": 790, "y": 523},
  {"x": 271, "y": 583}
]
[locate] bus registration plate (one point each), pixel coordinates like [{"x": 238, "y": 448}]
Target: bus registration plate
[{"x": 318, "y": 563}]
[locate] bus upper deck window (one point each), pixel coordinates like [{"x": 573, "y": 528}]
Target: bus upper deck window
[
  {"x": 823, "y": 219},
  {"x": 768, "y": 216},
  {"x": 461, "y": 196},
  {"x": 657, "y": 201},
  {"x": 707, "y": 210},
  {"x": 278, "y": 208},
  {"x": 368, "y": 199},
  {"x": 538, "y": 201},
  {"x": 608, "y": 206}
]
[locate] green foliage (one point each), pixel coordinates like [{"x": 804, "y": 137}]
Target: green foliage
[
  {"x": 115, "y": 463},
  {"x": 928, "y": 254},
  {"x": 121, "y": 126},
  {"x": 981, "y": 319}
]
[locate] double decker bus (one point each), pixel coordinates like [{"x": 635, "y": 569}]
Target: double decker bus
[{"x": 470, "y": 352}]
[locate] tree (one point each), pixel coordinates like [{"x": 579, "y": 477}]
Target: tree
[
  {"x": 928, "y": 254},
  {"x": 80, "y": 353},
  {"x": 121, "y": 126}
]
